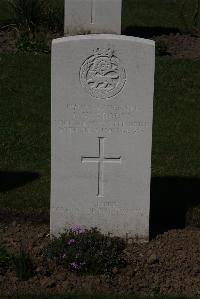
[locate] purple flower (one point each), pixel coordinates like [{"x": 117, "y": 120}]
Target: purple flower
[
  {"x": 64, "y": 256},
  {"x": 75, "y": 266},
  {"x": 78, "y": 229},
  {"x": 71, "y": 241}
]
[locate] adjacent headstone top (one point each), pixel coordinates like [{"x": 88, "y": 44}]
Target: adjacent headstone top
[
  {"x": 92, "y": 16},
  {"x": 102, "y": 108}
]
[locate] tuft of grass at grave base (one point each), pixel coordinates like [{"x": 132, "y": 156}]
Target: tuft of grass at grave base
[
  {"x": 91, "y": 297},
  {"x": 25, "y": 126}
]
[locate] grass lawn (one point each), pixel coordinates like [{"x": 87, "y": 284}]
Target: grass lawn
[
  {"x": 25, "y": 126},
  {"x": 6, "y": 16},
  {"x": 176, "y": 138},
  {"x": 158, "y": 13},
  {"x": 25, "y": 130}
]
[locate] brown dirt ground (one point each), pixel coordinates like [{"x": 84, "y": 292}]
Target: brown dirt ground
[
  {"x": 7, "y": 41},
  {"x": 178, "y": 45},
  {"x": 168, "y": 264}
]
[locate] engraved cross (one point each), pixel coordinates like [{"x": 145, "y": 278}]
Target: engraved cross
[
  {"x": 101, "y": 160},
  {"x": 92, "y": 20}
]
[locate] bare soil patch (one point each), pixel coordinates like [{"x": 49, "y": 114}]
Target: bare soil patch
[
  {"x": 7, "y": 41},
  {"x": 169, "y": 264},
  {"x": 178, "y": 45}
]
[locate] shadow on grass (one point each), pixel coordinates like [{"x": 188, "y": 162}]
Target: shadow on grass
[
  {"x": 148, "y": 32},
  {"x": 10, "y": 180},
  {"x": 171, "y": 199}
]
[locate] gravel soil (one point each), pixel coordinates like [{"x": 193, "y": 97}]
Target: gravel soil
[{"x": 168, "y": 264}]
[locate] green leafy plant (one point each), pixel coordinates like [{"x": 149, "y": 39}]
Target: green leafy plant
[
  {"x": 28, "y": 14},
  {"x": 54, "y": 15},
  {"x": 23, "y": 264},
  {"x": 87, "y": 251},
  {"x": 34, "y": 20},
  {"x": 5, "y": 259},
  {"x": 30, "y": 25},
  {"x": 38, "y": 44}
]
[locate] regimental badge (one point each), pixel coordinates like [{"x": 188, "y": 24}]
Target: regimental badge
[{"x": 102, "y": 74}]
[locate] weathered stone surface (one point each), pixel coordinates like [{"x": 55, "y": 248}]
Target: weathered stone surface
[
  {"x": 102, "y": 107},
  {"x": 92, "y": 16}
]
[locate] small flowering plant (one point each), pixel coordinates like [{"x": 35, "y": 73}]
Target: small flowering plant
[{"x": 86, "y": 251}]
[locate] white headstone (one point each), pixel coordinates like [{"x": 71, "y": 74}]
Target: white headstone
[
  {"x": 102, "y": 107},
  {"x": 92, "y": 16}
]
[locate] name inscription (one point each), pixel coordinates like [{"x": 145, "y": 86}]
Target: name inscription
[
  {"x": 101, "y": 119},
  {"x": 107, "y": 209}
]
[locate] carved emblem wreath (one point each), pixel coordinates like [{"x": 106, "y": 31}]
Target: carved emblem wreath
[{"x": 102, "y": 74}]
